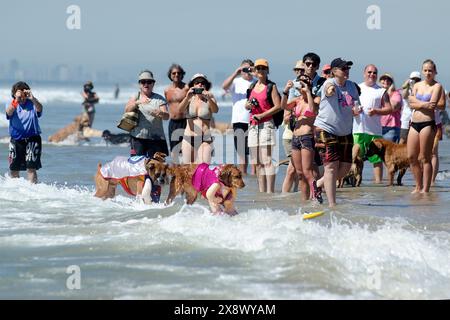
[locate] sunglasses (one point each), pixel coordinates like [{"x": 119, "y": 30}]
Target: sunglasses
[
  {"x": 299, "y": 70},
  {"x": 372, "y": 72},
  {"x": 203, "y": 83},
  {"x": 309, "y": 64},
  {"x": 146, "y": 82},
  {"x": 346, "y": 68},
  {"x": 260, "y": 68},
  {"x": 176, "y": 72}
]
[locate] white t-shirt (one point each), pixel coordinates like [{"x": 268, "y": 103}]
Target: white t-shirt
[
  {"x": 406, "y": 114},
  {"x": 238, "y": 92},
  {"x": 371, "y": 97}
]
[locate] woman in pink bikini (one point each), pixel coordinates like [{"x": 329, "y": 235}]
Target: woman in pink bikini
[
  {"x": 304, "y": 157},
  {"x": 423, "y": 101}
]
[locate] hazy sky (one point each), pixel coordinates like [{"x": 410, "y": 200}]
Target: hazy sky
[{"x": 213, "y": 37}]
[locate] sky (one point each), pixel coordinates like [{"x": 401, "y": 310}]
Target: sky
[{"x": 212, "y": 37}]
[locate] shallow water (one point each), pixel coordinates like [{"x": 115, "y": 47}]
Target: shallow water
[{"x": 379, "y": 243}]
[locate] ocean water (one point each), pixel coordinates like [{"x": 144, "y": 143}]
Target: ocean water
[{"x": 378, "y": 243}]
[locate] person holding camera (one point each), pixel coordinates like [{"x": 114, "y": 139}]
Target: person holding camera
[
  {"x": 237, "y": 84},
  {"x": 263, "y": 102},
  {"x": 304, "y": 112},
  {"x": 291, "y": 174},
  {"x": 90, "y": 98},
  {"x": 198, "y": 105},
  {"x": 148, "y": 136},
  {"x": 25, "y": 147}
]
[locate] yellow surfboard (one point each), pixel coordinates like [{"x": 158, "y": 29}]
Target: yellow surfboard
[{"x": 310, "y": 215}]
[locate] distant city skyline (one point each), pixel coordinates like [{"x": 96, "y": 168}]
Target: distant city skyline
[{"x": 117, "y": 40}]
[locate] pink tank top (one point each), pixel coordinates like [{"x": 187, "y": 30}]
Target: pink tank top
[{"x": 263, "y": 104}]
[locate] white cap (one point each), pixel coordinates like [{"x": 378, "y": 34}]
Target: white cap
[{"x": 414, "y": 74}]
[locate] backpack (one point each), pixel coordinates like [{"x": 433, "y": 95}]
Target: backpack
[{"x": 277, "y": 117}]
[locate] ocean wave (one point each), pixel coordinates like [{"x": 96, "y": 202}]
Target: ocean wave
[
  {"x": 3, "y": 122},
  {"x": 258, "y": 254},
  {"x": 106, "y": 95}
]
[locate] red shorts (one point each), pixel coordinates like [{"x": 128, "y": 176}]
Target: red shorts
[{"x": 334, "y": 148}]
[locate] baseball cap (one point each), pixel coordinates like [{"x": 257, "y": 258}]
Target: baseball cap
[
  {"x": 261, "y": 62},
  {"x": 339, "y": 63},
  {"x": 414, "y": 74},
  {"x": 326, "y": 67},
  {"x": 387, "y": 75},
  {"x": 146, "y": 75}
]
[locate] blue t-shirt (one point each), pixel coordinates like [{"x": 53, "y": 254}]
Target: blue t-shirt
[{"x": 24, "y": 121}]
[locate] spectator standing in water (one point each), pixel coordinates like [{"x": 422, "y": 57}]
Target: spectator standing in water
[
  {"x": 25, "y": 147},
  {"x": 175, "y": 93},
  {"x": 90, "y": 98},
  {"x": 237, "y": 84}
]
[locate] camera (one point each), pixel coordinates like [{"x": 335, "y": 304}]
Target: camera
[
  {"x": 254, "y": 102},
  {"x": 297, "y": 84},
  {"x": 246, "y": 70},
  {"x": 197, "y": 90}
]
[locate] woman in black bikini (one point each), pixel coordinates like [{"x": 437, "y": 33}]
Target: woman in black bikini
[{"x": 423, "y": 101}]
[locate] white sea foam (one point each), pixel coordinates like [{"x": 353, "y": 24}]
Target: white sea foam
[{"x": 258, "y": 254}]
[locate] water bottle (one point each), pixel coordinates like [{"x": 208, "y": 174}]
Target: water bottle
[{"x": 357, "y": 107}]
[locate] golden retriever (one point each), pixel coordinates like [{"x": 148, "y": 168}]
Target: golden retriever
[
  {"x": 229, "y": 176},
  {"x": 155, "y": 168},
  {"x": 394, "y": 156}
]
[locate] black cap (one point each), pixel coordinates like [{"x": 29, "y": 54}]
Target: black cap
[{"x": 339, "y": 63}]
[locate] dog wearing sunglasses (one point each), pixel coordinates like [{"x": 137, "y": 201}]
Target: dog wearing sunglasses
[
  {"x": 218, "y": 185},
  {"x": 137, "y": 176}
]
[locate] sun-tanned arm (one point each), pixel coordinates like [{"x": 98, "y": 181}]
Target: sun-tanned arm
[
  {"x": 441, "y": 104},
  {"x": 229, "y": 81},
  {"x": 386, "y": 107}
]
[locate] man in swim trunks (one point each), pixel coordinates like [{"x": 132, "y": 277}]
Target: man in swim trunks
[{"x": 174, "y": 94}]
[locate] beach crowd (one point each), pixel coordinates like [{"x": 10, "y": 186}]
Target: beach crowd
[{"x": 322, "y": 112}]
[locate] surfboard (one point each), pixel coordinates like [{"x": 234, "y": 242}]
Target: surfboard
[{"x": 311, "y": 215}]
